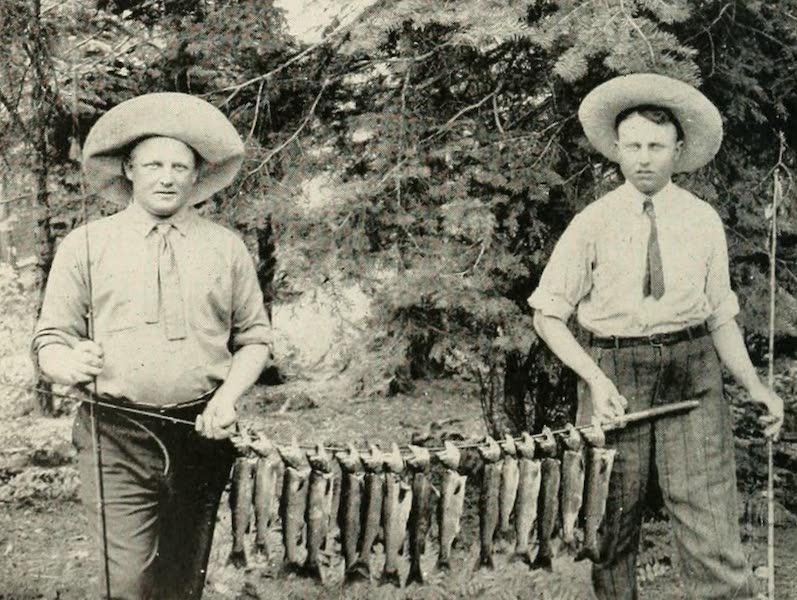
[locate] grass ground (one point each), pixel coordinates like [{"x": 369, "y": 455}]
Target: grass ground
[{"x": 45, "y": 554}]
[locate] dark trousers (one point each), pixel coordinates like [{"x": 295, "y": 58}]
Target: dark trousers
[
  {"x": 162, "y": 486},
  {"x": 690, "y": 457}
]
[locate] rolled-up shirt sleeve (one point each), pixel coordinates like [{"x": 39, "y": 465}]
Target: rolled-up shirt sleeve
[
  {"x": 63, "y": 317},
  {"x": 567, "y": 277},
  {"x": 250, "y": 322},
  {"x": 722, "y": 300}
]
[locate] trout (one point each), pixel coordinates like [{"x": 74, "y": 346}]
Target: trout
[
  {"x": 293, "y": 504},
  {"x": 374, "y": 493},
  {"x": 395, "y": 512},
  {"x": 319, "y": 504},
  {"x": 510, "y": 479},
  {"x": 489, "y": 500},
  {"x": 452, "y": 502},
  {"x": 241, "y": 508},
  {"x": 572, "y": 494},
  {"x": 527, "y": 497},
  {"x": 549, "y": 493},
  {"x": 350, "y": 511},
  {"x": 266, "y": 475},
  {"x": 419, "y": 463},
  {"x": 599, "y": 470}
]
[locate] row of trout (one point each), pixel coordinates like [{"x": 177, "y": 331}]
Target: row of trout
[{"x": 390, "y": 497}]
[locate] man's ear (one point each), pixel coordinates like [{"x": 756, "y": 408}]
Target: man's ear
[
  {"x": 679, "y": 148},
  {"x": 126, "y": 168}
]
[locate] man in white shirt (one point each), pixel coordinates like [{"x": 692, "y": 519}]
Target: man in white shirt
[{"x": 645, "y": 268}]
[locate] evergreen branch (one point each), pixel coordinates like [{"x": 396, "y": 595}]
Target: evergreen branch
[
  {"x": 447, "y": 125},
  {"x": 634, "y": 24},
  {"x": 236, "y": 89},
  {"x": 442, "y": 129},
  {"x": 295, "y": 134}
]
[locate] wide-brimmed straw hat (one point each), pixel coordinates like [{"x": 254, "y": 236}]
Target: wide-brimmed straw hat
[
  {"x": 699, "y": 118},
  {"x": 169, "y": 114}
]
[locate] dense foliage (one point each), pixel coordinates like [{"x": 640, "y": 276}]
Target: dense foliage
[{"x": 447, "y": 134}]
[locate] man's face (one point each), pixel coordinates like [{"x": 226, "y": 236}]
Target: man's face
[
  {"x": 163, "y": 173},
  {"x": 647, "y": 152}
]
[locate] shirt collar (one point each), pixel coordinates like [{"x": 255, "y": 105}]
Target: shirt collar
[
  {"x": 144, "y": 223},
  {"x": 639, "y": 198}
]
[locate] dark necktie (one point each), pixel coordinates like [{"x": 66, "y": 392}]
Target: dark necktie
[
  {"x": 654, "y": 273},
  {"x": 171, "y": 298}
]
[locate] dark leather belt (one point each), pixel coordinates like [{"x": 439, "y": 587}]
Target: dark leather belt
[{"x": 656, "y": 340}]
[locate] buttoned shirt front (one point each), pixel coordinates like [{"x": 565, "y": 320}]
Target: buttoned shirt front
[
  {"x": 222, "y": 302},
  {"x": 598, "y": 266}
]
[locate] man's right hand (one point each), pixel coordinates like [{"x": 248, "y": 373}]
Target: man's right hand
[
  {"x": 607, "y": 403},
  {"x": 71, "y": 366}
]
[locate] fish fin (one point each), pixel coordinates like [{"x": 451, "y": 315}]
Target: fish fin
[
  {"x": 390, "y": 578},
  {"x": 415, "y": 575},
  {"x": 543, "y": 562}
]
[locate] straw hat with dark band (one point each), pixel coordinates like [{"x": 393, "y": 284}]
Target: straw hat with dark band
[
  {"x": 698, "y": 117},
  {"x": 168, "y": 114}
]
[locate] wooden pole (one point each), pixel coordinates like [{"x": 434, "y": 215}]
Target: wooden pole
[{"x": 773, "y": 246}]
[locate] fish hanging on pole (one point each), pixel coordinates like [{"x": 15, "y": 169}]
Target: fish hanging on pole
[
  {"x": 510, "y": 479},
  {"x": 350, "y": 512},
  {"x": 489, "y": 500},
  {"x": 266, "y": 478},
  {"x": 527, "y": 497},
  {"x": 293, "y": 505},
  {"x": 241, "y": 508},
  {"x": 419, "y": 464},
  {"x": 549, "y": 495},
  {"x": 452, "y": 503},
  {"x": 572, "y": 485},
  {"x": 374, "y": 463},
  {"x": 395, "y": 513},
  {"x": 319, "y": 505},
  {"x": 600, "y": 461}
]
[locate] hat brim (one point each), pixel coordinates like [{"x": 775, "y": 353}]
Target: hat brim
[
  {"x": 191, "y": 120},
  {"x": 699, "y": 118}
]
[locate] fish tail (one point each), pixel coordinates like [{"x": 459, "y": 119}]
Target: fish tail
[{"x": 416, "y": 573}]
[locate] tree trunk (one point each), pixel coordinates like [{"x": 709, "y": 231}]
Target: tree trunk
[
  {"x": 526, "y": 393},
  {"x": 44, "y": 235}
]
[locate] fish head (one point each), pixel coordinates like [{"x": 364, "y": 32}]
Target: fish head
[
  {"x": 525, "y": 446},
  {"x": 293, "y": 455},
  {"x": 320, "y": 459},
  {"x": 508, "y": 445},
  {"x": 449, "y": 456},
  {"x": 594, "y": 435},
  {"x": 374, "y": 459},
  {"x": 419, "y": 459},
  {"x": 350, "y": 460},
  {"x": 490, "y": 450},
  {"x": 573, "y": 439},
  {"x": 393, "y": 460},
  {"x": 547, "y": 444}
]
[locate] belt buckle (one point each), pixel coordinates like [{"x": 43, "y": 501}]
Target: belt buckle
[{"x": 655, "y": 340}]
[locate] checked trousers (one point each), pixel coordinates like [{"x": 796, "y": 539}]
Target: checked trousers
[
  {"x": 689, "y": 457},
  {"x": 162, "y": 487}
]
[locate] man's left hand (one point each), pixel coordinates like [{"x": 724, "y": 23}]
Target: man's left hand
[
  {"x": 217, "y": 420},
  {"x": 773, "y": 421}
]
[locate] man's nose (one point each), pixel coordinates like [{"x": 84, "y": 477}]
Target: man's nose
[{"x": 167, "y": 177}]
